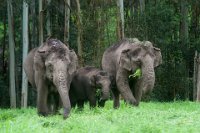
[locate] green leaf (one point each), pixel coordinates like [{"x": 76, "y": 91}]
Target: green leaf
[{"x": 137, "y": 74}]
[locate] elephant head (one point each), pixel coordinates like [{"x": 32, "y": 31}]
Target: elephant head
[
  {"x": 102, "y": 80},
  {"x": 59, "y": 63},
  {"x": 145, "y": 56}
]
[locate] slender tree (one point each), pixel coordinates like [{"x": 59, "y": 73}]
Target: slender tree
[
  {"x": 40, "y": 22},
  {"x": 11, "y": 55},
  {"x": 184, "y": 38},
  {"x": 34, "y": 27},
  {"x": 142, "y": 6},
  {"x": 195, "y": 75},
  {"x": 79, "y": 36},
  {"x": 4, "y": 43},
  {"x": 25, "y": 52},
  {"x": 48, "y": 24},
  {"x": 120, "y": 19},
  {"x": 184, "y": 22},
  {"x": 143, "y": 17},
  {"x": 67, "y": 20},
  {"x": 195, "y": 18},
  {"x": 198, "y": 78},
  {"x": 194, "y": 35}
]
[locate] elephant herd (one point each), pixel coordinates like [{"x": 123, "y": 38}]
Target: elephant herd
[{"x": 52, "y": 69}]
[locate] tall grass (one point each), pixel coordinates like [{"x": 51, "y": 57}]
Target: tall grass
[{"x": 147, "y": 118}]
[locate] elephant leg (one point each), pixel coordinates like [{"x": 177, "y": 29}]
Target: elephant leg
[
  {"x": 91, "y": 95},
  {"x": 92, "y": 101},
  {"x": 101, "y": 103},
  {"x": 124, "y": 89},
  {"x": 42, "y": 101},
  {"x": 138, "y": 91},
  {"x": 50, "y": 101},
  {"x": 56, "y": 103},
  {"x": 80, "y": 104},
  {"x": 42, "y": 94},
  {"x": 115, "y": 93}
]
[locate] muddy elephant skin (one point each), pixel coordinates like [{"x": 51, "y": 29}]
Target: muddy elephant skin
[
  {"x": 50, "y": 69},
  {"x": 123, "y": 59}
]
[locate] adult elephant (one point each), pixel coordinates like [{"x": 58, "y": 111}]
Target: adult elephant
[
  {"x": 122, "y": 60},
  {"x": 50, "y": 69},
  {"x": 89, "y": 84}
]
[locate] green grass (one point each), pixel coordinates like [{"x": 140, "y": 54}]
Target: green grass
[{"x": 152, "y": 117}]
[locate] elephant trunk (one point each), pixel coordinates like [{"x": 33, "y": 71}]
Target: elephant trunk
[
  {"x": 148, "y": 76},
  {"x": 63, "y": 89},
  {"x": 105, "y": 93}
]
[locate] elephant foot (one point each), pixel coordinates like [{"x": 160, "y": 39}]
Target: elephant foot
[
  {"x": 43, "y": 114},
  {"x": 116, "y": 104},
  {"x": 115, "y": 107},
  {"x": 66, "y": 113},
  {"x": 101, "y": 103},
  {"x": 132, "y": 102}
]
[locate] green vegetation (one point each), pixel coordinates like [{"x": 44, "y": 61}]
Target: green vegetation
[
  {"x": 137, "y": 74},
  {"x": 149, "y": 117}
]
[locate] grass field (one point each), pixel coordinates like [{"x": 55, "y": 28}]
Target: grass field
[{"x": 153, "y": 117}]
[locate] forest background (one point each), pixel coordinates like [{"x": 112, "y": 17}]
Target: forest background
[{"x": 91, "y": 26}]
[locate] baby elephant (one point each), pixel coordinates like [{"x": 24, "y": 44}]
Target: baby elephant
[{"x": 89, "y": 84}]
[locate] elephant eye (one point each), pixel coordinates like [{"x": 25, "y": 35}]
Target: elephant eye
[{"x": 49, "y": 66}]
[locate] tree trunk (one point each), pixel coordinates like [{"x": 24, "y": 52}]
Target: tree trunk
[
  {"x": 184, "y": 38},
  {"x": 195, "y": 18},
  {"x": 184, "y": 23},
  {"x": 40, "y": 22},
  {"x": 79, "y": 36},
  {"x": 98, "y": 16},
  {"x": 25, "y": 52},
  {"x": 195, "y": 77},
  {"x": 198, "y": 78},
  {"x": 142, "y": 6},
  {"x": 11, "y": 55},
  {"x": 48, "y": 24},
  {"x": 33, "y": 27},
  {"x": 120, "y": 19},
  {"x": 4, "y": 46},
  {"x": 142, "y": 18},
  {"x": 67, "y": 20}
]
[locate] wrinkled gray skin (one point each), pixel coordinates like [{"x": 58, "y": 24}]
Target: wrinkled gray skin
[
  {"x": 50, "y": 69},
  {"x": 123, "y": 59},
  {"x": 85, "y": 84}
]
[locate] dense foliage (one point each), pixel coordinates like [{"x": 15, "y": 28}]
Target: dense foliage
[{"x": 159, "y": 21}]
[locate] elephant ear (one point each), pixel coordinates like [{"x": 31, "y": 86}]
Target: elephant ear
[
  {"x": 43, "y": 48},
  {"x": 93, "y": 80},
  {"x": 96, "y": 79},
  {"x": 130, "y": 58},
  {"x": 125, "y": 61},
  {"x": 73, "y": 62},
  {"x": 158, "y": 57}
]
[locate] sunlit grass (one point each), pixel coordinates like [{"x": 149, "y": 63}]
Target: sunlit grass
[{"x": 152, "y": 117}]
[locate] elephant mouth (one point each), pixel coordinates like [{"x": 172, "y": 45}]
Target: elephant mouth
[{"x": 135, "y": 74}]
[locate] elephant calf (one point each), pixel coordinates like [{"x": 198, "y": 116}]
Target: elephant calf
[{"x": 85, "y": 86}]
